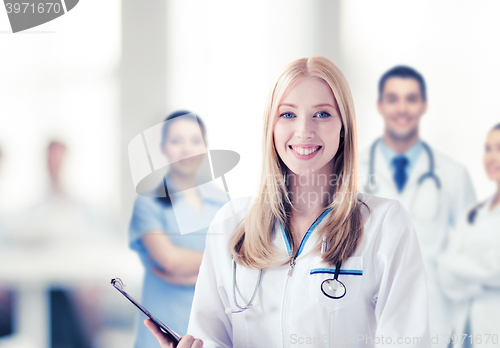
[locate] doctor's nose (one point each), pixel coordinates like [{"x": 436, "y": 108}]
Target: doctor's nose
[
  {"x": 304, "y": 128},
  {"x": 402, "y": 107},
  {"x": 189, "y": 151}
]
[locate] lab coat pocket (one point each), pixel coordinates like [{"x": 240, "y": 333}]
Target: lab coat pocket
[{"x": 351, "y": 275}]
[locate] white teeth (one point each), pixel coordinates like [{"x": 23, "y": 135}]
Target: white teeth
[{"x": 305, "y": 150}]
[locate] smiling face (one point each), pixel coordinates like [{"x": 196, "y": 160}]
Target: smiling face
[
  {"x": 492, "y": 156},
  {"x": 307, "y": 129},
  {"x": 401, "y": 105},
  {"x": 183, "y": 141}
]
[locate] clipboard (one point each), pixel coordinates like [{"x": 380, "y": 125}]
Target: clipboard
[{"x": 171, "y": 335}]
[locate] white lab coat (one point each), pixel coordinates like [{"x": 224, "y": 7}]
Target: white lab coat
[
  {"x": 433, "y": 212},
  {"x": 386, "y": 303},
  {"x": 469, "y": 271}
]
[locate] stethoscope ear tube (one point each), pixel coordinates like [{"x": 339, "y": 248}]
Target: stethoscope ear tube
[{"x": 372, "y": 188}]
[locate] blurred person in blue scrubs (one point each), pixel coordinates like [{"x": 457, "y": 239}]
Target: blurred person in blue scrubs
[
  {"x": 172, "y": 259},
  {"x": 469, "y": 269},
  {"x": 434, "y": 188}
]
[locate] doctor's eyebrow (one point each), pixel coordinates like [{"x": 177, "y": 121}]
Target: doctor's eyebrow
[
  {"x": 314, "y": 106},
  {"x": 290, "y": 105},
  {"x": 324, "y": 104},
  {"x": 395, "y": 95}
]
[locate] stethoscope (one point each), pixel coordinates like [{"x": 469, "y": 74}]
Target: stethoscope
[
  {"x": 332, "y": 288},
  {"x": 371, "y": 187},
  {"x": 423, "y": 211},
  {"x": 250, "y": 303},
  {"x": 471, "y": 216}
]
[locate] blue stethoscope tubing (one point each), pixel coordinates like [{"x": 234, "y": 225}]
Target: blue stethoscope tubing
[{"x": 371, "y": 188}]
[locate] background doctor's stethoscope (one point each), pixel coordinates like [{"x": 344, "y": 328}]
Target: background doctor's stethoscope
[{"x": 424, "y": 201}]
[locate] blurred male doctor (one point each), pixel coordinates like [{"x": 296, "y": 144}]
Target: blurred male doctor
[{"x": 433, "y": 187}]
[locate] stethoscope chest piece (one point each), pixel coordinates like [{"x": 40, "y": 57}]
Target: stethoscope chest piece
[{"x": 333, "y": 288}]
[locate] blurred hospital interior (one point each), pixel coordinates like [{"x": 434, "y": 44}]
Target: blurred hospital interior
[{"x": 75, "y": 91}]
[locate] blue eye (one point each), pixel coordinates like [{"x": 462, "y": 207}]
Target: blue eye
[
  {"x": 287, "y": 115},
  {"x": 322, "y": 114}
]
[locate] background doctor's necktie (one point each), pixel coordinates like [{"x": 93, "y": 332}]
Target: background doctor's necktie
[{"x": 400, "y": 176}]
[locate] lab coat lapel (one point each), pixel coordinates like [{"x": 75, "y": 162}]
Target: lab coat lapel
[
  {"x": 281, "y": 242},
  {"x": 314, "y": 239},
  {"x": 485, "y": 216}
]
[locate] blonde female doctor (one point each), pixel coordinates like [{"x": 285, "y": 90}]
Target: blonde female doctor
[{"x": 309, "y": 261}]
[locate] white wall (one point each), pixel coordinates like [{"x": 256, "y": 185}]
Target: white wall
[
  {"x": 222, "y": 58},
  {"x": 454, "y": 44}
]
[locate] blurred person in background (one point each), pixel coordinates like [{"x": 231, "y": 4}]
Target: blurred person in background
[
  {"x": 469, "y": 269},
  {"x": 2, "y": 222},
  {"x": 434, "y": 188},
  {"x": 55, "y": 156},
  {"x": 6, "y": 294},
  {"x": 60, "y": 211},
  {"x": 59, "y": 218},
  {"x": 6, "y": 312},
  {"x": 54, "y": 227},
  {"x": 172, "y": 260}
]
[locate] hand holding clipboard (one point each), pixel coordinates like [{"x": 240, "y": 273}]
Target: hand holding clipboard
[
  {"x": 165, "y": 336},
  {"x": 187, "y": 341}
]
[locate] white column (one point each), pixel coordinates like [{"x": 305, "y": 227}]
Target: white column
[{"x": 142, "y": 79}]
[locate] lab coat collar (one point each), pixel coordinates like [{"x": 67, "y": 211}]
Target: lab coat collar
[
  {"x": 486, "y": 207},
  {"x": 383, "y": 168},
  {"x": 303, "y": 243},
  {"x": 412, "y": 154},
  {"x": 481, "y": 212}
]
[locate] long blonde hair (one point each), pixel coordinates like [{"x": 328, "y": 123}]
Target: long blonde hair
[{"x": 251, "y": 243}]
